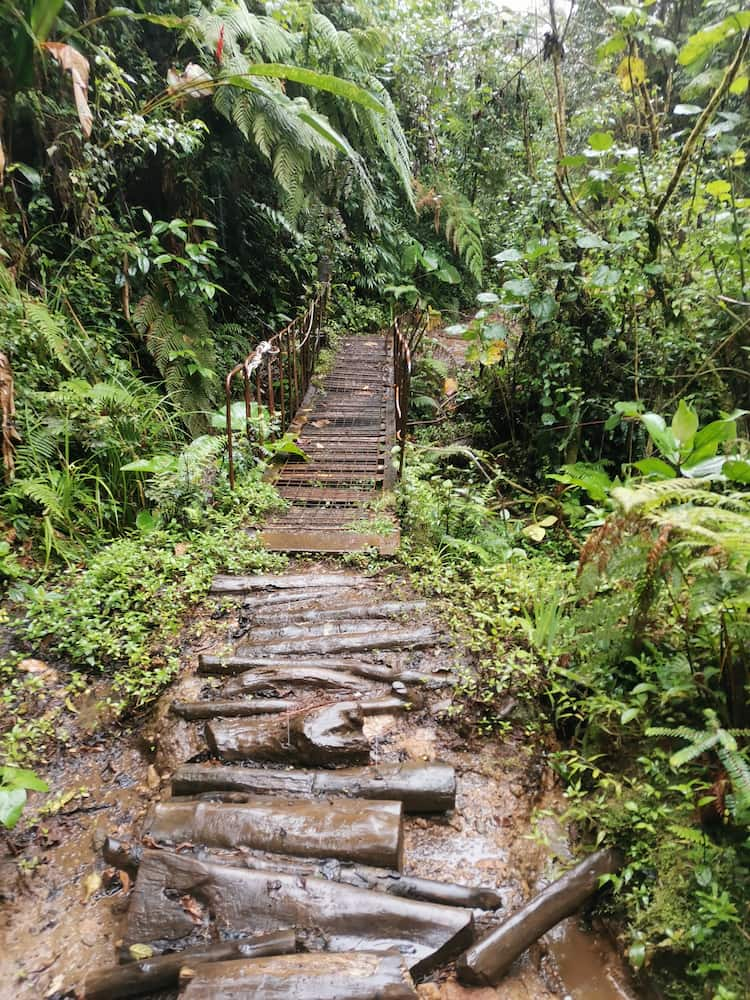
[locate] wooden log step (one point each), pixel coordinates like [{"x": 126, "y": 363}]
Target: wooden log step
[
  {"x": 332, "y": 734},
  {"x": 359, "y": 830},
  {"x": 178, "y": 901},
  {"x": 266, "y": 581},
  {"x": 487, "y": 961},
  {"x": 322, "y": 628},
  {"x": 193, "y": 710},
  {"x": 328, "y": 597},
  {"x": 162, "y": 972},
  {"x": 422, "y": 788},
  {"x": 356, "y": 975},
  {"x": 417, "y": 638},
  {"x": 275, "y": 680},
  {"x": 386, "y": 610}
]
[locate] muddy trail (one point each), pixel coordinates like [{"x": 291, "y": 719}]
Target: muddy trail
[{"x": 301, "y": 816}]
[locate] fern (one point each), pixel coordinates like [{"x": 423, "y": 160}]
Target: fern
[
  {"x": 724, "y": 743},
  {"x": 459, "y": 221}
]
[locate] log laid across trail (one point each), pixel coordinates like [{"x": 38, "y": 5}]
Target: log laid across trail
[
  {"x": 356, "y": 975},
  {"x": 487, "y": 961},
  {"x": 192, "y": 710},
  {"x": 332, "y": 734},
  {"x": 311, "y": 581},
  {"x": 360, "y": 876},
  {"x": 357, "y": 642},
  {"x": 178, "y": 901},
  {"x": 350, "y": 829},
  {"x": 423, "y": 788},
  {"x": 384, "y": 611},
  {"x": 162, "y": 972}
]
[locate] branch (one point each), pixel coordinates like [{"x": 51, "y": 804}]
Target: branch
[{"x": 703, "y": 122}]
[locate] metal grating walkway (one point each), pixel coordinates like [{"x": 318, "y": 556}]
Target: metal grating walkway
[{"x": 346, "y": 428}]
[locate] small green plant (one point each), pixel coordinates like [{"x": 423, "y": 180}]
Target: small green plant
[{"x": 14, "y": 784}]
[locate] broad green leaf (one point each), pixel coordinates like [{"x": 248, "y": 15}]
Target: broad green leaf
[
  {"x": 488, "y": 298},
  {"x": 661, "y": 435},
  {"x": 664, "y": 46},
  {"x": 32, "y": 176},
  {"x": 323, "y": 127},
  {"x": 589, "y": 241},
  {"x": 448, "y": 274},
  {"x": 703, "y": 42},
  {"x": 543, "y": 308},
  {"x": 19, "y": 777},
  {"x": 12, "y": 802},
  {"x": 163, "y": 20},
  {"x": 611, "y": 47},
  {"x": 628, "y": 715},
  {"x": 573, "y": 161},
  {"x": 637, "y": 954},
  {"x": 155, "y": 464},
  {"x": 44, "y": 13},
  {"x": 737, "y": 470},
  {"x": 684, "y": 424},
  {"x": 719, "y": 189},
  {"x": 708, "y": 438},
  {"x": 739, "y": 85},
  {"x": 605, "y": 277},
  {"x": 519, "y": 288},
  {"x": 309, "y": 78},
  {"x": 508, "y": 256},
  {"x": 601, "y": 141},
  {"x": 686, "y": 109},
  {"x": 656, "y": 468}
]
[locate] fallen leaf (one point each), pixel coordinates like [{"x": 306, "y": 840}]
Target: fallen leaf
[
  {"x": 181, "y": 548},
  {"x": 192, "y": 907},
  {"x": 192, "y": 75},
  {"x": 91, "y": 884},
  {"x": 55, "y": 986},
  {"x": 78, "y": 66},
  {"x": 450, "y": 386},
  {"x": 32, "y": 666},
  {"x": 140, "y": 951}
]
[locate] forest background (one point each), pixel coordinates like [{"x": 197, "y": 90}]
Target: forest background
[{"x": 566, "y": 191}]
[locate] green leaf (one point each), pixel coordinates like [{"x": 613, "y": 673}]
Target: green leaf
[
  {"x": 704, "y": 42},
  {"x": 573, "y": 161},
  {"x": 637, "y": 954},
  {"x": 488, "y": 298},
  {"x": 605, "y": 277},
  {"x": 684, "y": 424},
  {"x": 589, "y": 241},
  {"x": 629, "y": 714},
  {"x": 611, "y": 47},
  {"x": 656, "y": 468},
  {"x": 19, "y": 777},
  {"x": 12, "y": 802},
  {"x": 157, "y": 463},
  {"x": 686, "y": 109},
  {"x": 519, "y": 288},
  {"x": 661, "y": 435},
  {"x": 601, "y": 141},
  {"x": 543, "y": 308},
  {"x": 448, "y": 274},
  {"x": 44, "y": 13},
  {"x": 664, "y": 46},
  {"x": 739, "y": 85},
  {"x": 307, "y": 77},
  {"x": 737, "y": 471},
  {"x": 719, "y": 189},
  {"x": 508, "y": 256},
  {"x": 32, "y": 176}
]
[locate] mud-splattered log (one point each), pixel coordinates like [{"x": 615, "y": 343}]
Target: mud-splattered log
[
  {"x": 349, "y": 829},
  {"x": 417, "y": 638},
  {"x": 486, "y": 962},
  {"x": 386, "y": 610},
  {"x": 179, "y": 901},
  {"x": 329, "y": 735},
  {"x": 313, "y": 582},
  {"x": 423, "y": 788},
  {"x": 163, "y": 972},
  {"x": 355, "y": 975}
]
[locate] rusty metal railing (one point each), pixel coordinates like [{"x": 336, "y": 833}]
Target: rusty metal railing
[
  {"x": 277, "y": 372},
  {"x": 407, "y": 331}
]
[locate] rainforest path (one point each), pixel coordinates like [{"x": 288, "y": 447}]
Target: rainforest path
[{"x": 305, "y": 814}]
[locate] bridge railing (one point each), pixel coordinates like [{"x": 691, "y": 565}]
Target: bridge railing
[
  {"x": 277, "y": 372},
  {"x": 407, "y": 332}
]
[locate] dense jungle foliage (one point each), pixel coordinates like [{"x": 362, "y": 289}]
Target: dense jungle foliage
[{"x": 565, "y": 190}]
